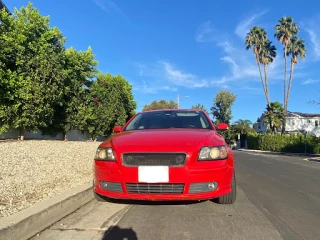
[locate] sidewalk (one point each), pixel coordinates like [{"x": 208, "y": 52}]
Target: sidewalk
[
  {"x": 312, "y": 157},
  {"x": 30, "y": 221}
]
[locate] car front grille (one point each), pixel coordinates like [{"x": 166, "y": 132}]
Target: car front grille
[
  {"x": 155, "y": 188},
  {"x": 154, "y": 159}
]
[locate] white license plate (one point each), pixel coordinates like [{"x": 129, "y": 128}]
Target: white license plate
[{"x": 154, "y": 174}]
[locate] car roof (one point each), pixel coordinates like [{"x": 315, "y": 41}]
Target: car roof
[{"x": 171, "y": 110}]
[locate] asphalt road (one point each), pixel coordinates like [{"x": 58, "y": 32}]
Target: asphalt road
[{"x": 278, "y": 198}]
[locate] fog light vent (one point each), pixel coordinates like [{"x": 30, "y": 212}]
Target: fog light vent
[
  {"x": 211, "y": 186},
  {"x": 203, "y": 187},
  {"x": 111, "y": 186}
]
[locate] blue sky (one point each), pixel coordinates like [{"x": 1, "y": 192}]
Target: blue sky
[{"x": 190, "y": 48}]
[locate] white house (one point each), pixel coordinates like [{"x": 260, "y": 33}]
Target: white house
[{"x": 295, "y": 122}]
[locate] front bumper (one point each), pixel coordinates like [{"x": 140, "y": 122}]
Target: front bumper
[{"x": 121, "y": 180}]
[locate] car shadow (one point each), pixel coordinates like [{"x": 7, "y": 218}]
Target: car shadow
[
  {"x": 117, "y": 233},
  {"x": 147, "y": 202}
]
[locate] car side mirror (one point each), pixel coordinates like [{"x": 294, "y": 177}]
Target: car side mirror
[
  {"x": 117, "y": 129},
  {"x": 222, "y": 126}
]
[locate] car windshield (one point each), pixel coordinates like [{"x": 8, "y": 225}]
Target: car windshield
[{"x": 169, "y": 119}]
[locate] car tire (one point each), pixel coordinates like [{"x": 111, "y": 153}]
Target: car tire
[{"x": 229, "y": 198}]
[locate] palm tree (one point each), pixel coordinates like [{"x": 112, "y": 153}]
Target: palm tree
[
  {"x": 267, "y": 55},
  {"x": 256, "y": 39},
  {"x": 285, "y": 30},
  {"x": 243, "y": 126},
  {"x": 274, "y": 115},
  {"x": 296, "y": 48}
]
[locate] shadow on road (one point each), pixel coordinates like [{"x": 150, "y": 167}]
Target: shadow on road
[
  {"x": 116, "y": 233},
  {"x": 146, "y": 202}
]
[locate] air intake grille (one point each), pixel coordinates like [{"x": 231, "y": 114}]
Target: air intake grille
[
  {"x": 155, "y": 188},
  {"x": 154, "y": 159}
]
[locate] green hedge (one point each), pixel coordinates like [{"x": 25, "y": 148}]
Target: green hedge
[{"x": 294, "y": 143}]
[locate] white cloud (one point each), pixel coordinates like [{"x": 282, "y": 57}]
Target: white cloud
[
  {"x": 227, "y": 46},
  {"x": 309, "y": 81},
  {"x": 154, "y": 89},
  {"x": 172, "y": 78},
  {"x": 108, "y": 6},
  {"x": 244, "y": 26},
  {"x": 242, "y": 62},
  {"x": 315, "y": 40},
  {"x": 181, "y": 78},
  {"x": 311, "y": 26},
  {"x": 207, "y": 33},
  {"x": 243, "y": 65}
]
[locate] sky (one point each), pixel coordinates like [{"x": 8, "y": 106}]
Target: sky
[{"x": 191, "y": 48}]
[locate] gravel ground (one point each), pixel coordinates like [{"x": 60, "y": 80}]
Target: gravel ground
[{"x": 32, "y": 171}]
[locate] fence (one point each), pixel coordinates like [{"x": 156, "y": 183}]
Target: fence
[{"x": 73, "y": 135}]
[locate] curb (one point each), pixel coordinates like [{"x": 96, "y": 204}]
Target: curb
[
  {"x": 314, "y": 159},
  {"x": 279, "y": 153},
  {"x": 28, "y": 222}
]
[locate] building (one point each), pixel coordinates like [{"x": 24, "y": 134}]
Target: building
[
  {"x": 295, "y": 122},
  {"x": 3, "y": 6}
]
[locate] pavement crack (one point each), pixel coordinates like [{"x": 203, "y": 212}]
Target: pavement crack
[
  {"x": 80, "y": 229},
  {"x": 115, "y": 217}
]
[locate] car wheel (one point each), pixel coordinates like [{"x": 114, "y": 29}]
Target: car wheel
[{"x": 230, "y": 198}]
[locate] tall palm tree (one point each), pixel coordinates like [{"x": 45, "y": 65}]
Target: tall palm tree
[
  {"x": 243, "y": 126},
  {"x": 285, "y": 30},
  {"x": 267, "y": 55},
  {"x": 274, "y": 115},
  {"x": 256, "y": 39},
  {"x": 296, "y": 48}
]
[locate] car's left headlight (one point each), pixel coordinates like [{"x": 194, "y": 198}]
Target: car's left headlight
[
  {"x": 213, "y": 153},
  {"x": 104, "y": 154}
]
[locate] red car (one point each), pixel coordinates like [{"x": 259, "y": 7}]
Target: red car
[{"x": 166, "y": 155}]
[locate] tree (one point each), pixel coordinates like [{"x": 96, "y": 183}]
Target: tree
[
  {"x": 315, "y": 102},
  {"x": 31, "y": 70},
  {"x": 296, "y": 48},
  {"x": 254, "y": 127},
  {"x": 222, "y": 103},
  {"x": 243, "y": 126},
  {"x": 200, "y": 107},
  {"x": 267, "y": 55},
  {"x": 79, "y": 69},
  {"x": 285, "y": 30},
  {"x": 274, "y": 115},
  {"x": 111, "y": 104},
  {"x": 161, "y": 104},
  {"x": 257, "y": 40}
]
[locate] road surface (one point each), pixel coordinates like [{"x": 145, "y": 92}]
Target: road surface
[{"x": 278, "y": 197}]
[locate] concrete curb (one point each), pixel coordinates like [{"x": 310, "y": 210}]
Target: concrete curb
[
  {"x": 30, "y": 221},
  {"x": 279, "y": 153}
]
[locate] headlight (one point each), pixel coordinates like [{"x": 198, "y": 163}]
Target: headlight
[
  {"x": 213, "y": 153},
  {"x": 105, "y": 154}
]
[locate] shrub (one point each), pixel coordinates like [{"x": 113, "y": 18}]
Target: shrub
[{"x": 294, "y": 143}]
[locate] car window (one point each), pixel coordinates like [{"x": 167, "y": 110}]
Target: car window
[{"x": 169, "y": 119}]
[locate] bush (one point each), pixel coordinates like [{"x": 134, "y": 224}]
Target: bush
[{"x": 294, "y": 143}]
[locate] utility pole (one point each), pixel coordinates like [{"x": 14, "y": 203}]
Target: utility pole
[{"x": 178, "y": 100}]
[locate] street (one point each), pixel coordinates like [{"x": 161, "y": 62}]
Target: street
[{"x": 278, "y": 197}]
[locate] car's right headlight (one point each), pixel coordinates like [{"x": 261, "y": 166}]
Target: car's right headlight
[
  {"x": 105, "y": 154},
  {"x": 213, "y": 153}
]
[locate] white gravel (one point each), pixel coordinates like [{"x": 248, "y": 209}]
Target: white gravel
[{"x": 32, "y": 171}]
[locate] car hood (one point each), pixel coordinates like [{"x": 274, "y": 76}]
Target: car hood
[{"x": 165, "y": 140}]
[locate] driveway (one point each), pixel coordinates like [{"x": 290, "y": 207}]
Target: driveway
[{"x": 278, "y": 198}]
